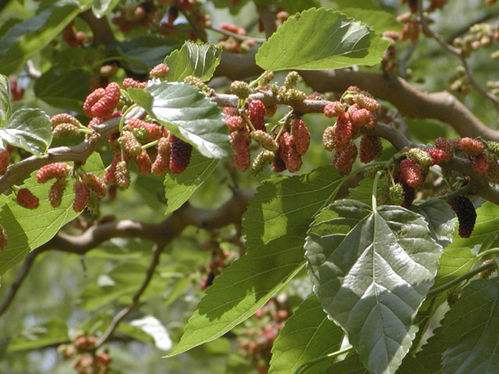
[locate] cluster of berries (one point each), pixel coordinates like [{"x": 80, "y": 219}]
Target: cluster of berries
[
  {"x": 85, "y": 359},
  {"x": 354, "y": 114},
  {"x": 261, "y": 331},
  {"x": 481, "y": 35},
  {"x": 72, "y": 37},
  {"x": 234, "y": 44},
  {"x": 130, "y": 17}
]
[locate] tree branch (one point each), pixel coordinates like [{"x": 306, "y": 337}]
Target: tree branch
[
  {"x": 157, "y": 251},
  {"x": 100, "y": 27}
]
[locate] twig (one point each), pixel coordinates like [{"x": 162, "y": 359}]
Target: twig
[
  {"x": 100, "y": 27},
  {"x": 135, "y": 299},
  {"x": 235, "y": 36},
  {"x": 456, "y": 52}
]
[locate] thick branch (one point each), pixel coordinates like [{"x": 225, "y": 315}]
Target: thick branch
[{"x": 100, "y": 27}]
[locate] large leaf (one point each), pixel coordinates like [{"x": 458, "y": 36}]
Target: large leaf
[
  {"x": 454, "y": 263},
  {"x": 30, "y": 36},
  {"x": 372, "y": 270},
  {"x": 320, "y": 39},
  {"x": 196, "y": 118},
  {"x": 29, "y": 129},
  {"x": 471, "y": 330},
  {"x": 180, "y": 187},
  {"x": 307, "y": 335},
  {"x": 377, "y": 20},
  {"x": 440, "y": 218},
  {"x": 63, "y": 88},
  {"x": 28, "y": 229},
  {"x": 196, "y": 59},
  {"x": 287, "y": 205},
  {"x": 5, "y": 104},
  {"x": 243, "y": 287}
]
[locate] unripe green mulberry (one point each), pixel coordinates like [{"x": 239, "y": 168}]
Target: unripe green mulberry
[
  {"x": 265, "y": 157},
  {"x": 240, "y": 89},
  {"x": 265, "y": 140},
  {"x": 420, "y": 156}
]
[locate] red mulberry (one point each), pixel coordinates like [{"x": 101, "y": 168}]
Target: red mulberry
[
  {"x": 334, "y": 109},
  {"x": 361, "y": 117},
  {"x": 92, "y": 99},
  {"x": 95, "y": 184},
  {"x": 437, "y": 155},
  {"x": 344, "y": 159},
  {"x": 180, "y": 154},
  {"x": 256, "y": 111},
  {"x": 411, "y": 173},
  {"x": 26, "y": 199},
  {"x": 143, "y": 161},
  {"x": 4, "y": 160},
  {"x": 230, "y": 111},
  {"x": 150, "y": 131},
  {"x": 56, "y": 192},
  {"x": 447, "y": 146},
  {"x": 106, "y": 102},
  {"x": 370, "y": 148},
  {"x": 82, "y": 196},
  {"x": 288, "y": 152},
  {"x": 234, "y": 123},
  {"x": 343, "y": 133},
  {"x": 132, "y": 83},
  {"x": 481, "y": 164},
  {"x": 109, "y": 176},
  {"x": 121, "y": 175},
  {"x": 470, "y": 146},
  {"x": 64, "y": 118},
  {"x": 301, "y": 136},
  {"x": 466, "y": 215},
  {"x": 130, "y": 144},
  {"x": 240, "y": 142},
  {"x": 159, "y": 71},
  {"x": 57, "y": 170},
  {"x": 162, "y": 162}
]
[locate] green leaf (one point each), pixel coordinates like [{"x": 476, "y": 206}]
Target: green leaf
[
  {"x": 454, "y": 263},
  {"x": 5, "y": 104},
  {"x": 471, "y": 329},
  {"x": 28, "y": 229},
  {"x": 241, "y": 289},
  {"x": 371, "y": 275},
  {"x": 29, "y": 129},
  {"x": 63, "y": 88},
  {"x": 440, "y": 218},
  {"x": 320, "y": 39},
  {"x": 26, "y": 38},
  {"x": 285, "y": 205},
  {"x": 308, "y": 334},
  {"x": 151, "y": 189},
  {"x": 51, "y": 332},
  {"x": 196, "y": 118},
  {"x": 180, "y": 187},
  {"x": 102, "y": 8},
  {"x": 377, "y": 20},
  {"x": 196, "y": 59}
]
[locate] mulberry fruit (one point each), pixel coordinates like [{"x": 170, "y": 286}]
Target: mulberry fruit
[
  {"x": 301, "y": 136},
  {"x": 57, "y": 170},
  {"x": 420, "y": 156},
  {"x": 82, "y": 196},
  {"x": 4, "y": 160},
  {"x": 256, "y": 111},
  {"x": 437, "y": 155},
  {"x": 470, "y": 146},
  {"x": 160, "y": 165},
  {"x": 265, "y": 140},
  {"x": 409, "y": 195},
  {"x": 94, "y": 184},
  {"x": 411, "y": 173},
  {"x": 148, "y": 131},
  {"x": 56, "y": 192},
  {"x": 234, "y": 123},
  {"x": 361, "y": 117},
  {"x": 92, "y": 99},
  {"x": 447, "y": 146},
  {"x": 109, "y": 176},
  {"x": 481, "y": 164},
  {"x": 132, "y": 83},
  {"x": 278, "y": 164},
  {"x": 396, "y": 194},
  {"x": 466, "y": 214},
  {"x": 230, "y": 111},
  {"x": 370, "y": 148},
  {"x": 240, "y": 89},
  {"x": 143, "y": 161},
  {"x": 130, "y": 144},
  {"x": 26, "y": 199},
  {"x": 64, "y": 118},
  {"x": 344, "y": 159},
  {"x": 159, "y": 71},
  {"x": 288, "y": 152},
  {"x": 265, "y": 157},
  {"x": 343, "y": 133},
  {"x": 65, "y": 129},
  {"x": 102, "y": 103},
  {"x": 180, "y": 154},
  {"x": 328, "y": 138},
  {"x": 240, "y": 142},
  {"x": 334, "y": 109},
  {"x": 121, "y": 175}
]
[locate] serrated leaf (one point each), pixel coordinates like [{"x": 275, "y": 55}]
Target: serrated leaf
[
  {"x": 180, "y": 187},
  {"x": 440, "y": 218},
  {"x": 63, "y": 88},
  {"x": 241, "y": 289},
  {"x": 372, "y": 276},
  {"x": 318, "y": 39},
  {"x": 28, "y": 229},
  {"x": 26, "y": 38},
  {"x": 5, "y": 104},
  {"x": 196, "y": 118},
  {"x": 308, "y": 334},
  {"x": 471, "y": 329},
  {"x": 196, "y": 59},
  {"x": 29, "y": 129},
  {"x": 287, "y": 205},
  {"x": 103, "y": 7}
]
